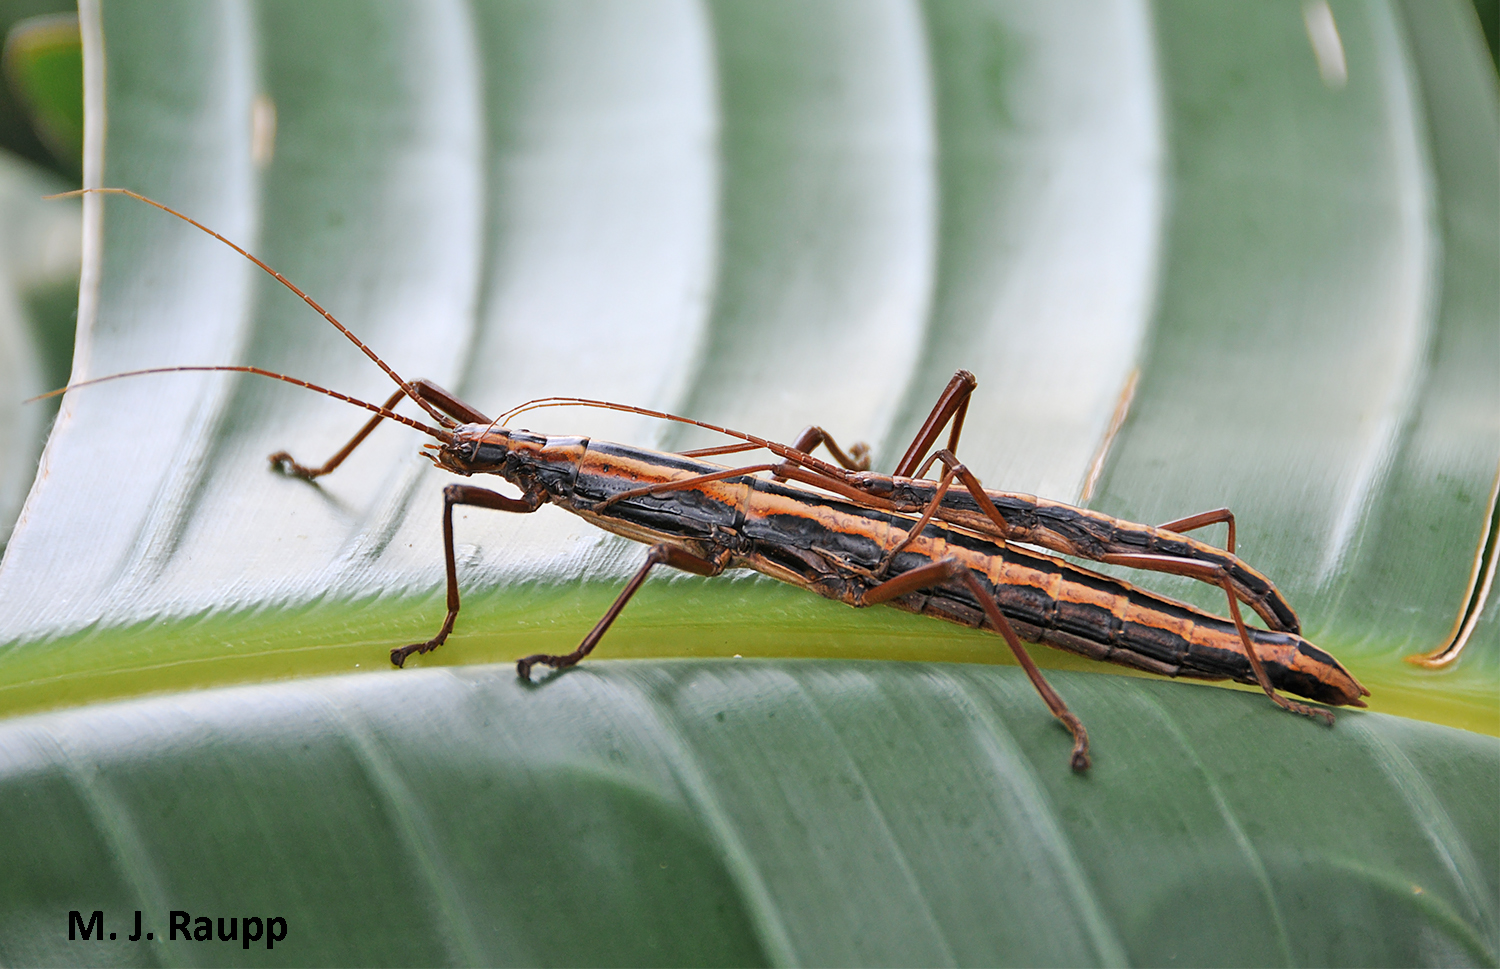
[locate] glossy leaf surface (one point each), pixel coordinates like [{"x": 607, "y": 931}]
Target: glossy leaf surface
[
  {"x": 767, "y": 216},
  {"x": 38, "y": 289},
  {"x": 742, "y": 813}
]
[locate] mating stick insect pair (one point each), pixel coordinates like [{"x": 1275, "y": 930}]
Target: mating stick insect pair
[{"x": 943, "y": 547}]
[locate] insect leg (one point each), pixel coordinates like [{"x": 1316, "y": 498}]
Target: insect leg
[
  {"x": 447, "y": 402},
  {"x": 857, "y": 459},
  {"x": 1218, "y": 576},
  {"x": 283, "y": 462},
  {"x": 457, "y": 494},
  {"x": 944, "y": 570},
  {"x": 971, "y": 484},
  {"x": 425, "y": 389},
  {"x": 952, "y": 404},
  {"x": 1204, "y": 518},
  {"x": 1270, "y": 604},
  {"x": 916, "y": 529},
  {"x": 660, "y": 554}
]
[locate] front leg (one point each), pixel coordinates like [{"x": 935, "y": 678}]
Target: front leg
[
  {"x": 458, "y": 494},
  {"x": 422, "y": 390}
]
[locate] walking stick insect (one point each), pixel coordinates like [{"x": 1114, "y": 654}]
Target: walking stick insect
[{"x": 857, "y": 536}]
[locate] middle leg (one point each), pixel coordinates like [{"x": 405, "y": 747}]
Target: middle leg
[{"x": 945, "y": 570}]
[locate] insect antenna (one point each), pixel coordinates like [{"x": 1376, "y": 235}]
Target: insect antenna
[
  {"x": 400, "y": 382},
  {"x": 780, "y": 450},
  {"x": 441, "y": 435},
  {"x": 542, "y": 402}
]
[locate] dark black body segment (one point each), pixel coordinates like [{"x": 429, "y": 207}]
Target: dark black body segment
[
  {"x": 703, "y": 516},
  {"x": 1077, "y": 531},
  {"x": 838, "y": 550},
  {"x": 1092, "y": 629},
  {"x": 540, "y": 463},
  {"x": 854, "y": 549},
  {"x": 1178, "y": 641}
]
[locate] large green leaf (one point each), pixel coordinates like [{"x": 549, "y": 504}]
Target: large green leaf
[
  {"x": 765, "y": 215},
  {"x": 38, "y": 289},
  {"x": 746, "y": 812}
]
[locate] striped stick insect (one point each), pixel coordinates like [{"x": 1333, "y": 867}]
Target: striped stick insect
[{"x": 945, "y": 548}]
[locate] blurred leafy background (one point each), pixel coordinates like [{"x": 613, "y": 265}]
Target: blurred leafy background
[{"x": 764, "y": 216}]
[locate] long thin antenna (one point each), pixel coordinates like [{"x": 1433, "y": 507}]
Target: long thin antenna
[
  {"x": 780, "y": 450},
  {"x": 441, "y": 435},
  {"x": 400, "y": 382}
]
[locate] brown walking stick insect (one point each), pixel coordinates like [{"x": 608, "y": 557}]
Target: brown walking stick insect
[{"x": 942, "y": 548}]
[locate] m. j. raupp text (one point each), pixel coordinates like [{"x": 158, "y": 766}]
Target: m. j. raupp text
[{"x": 183, "y": 926}]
